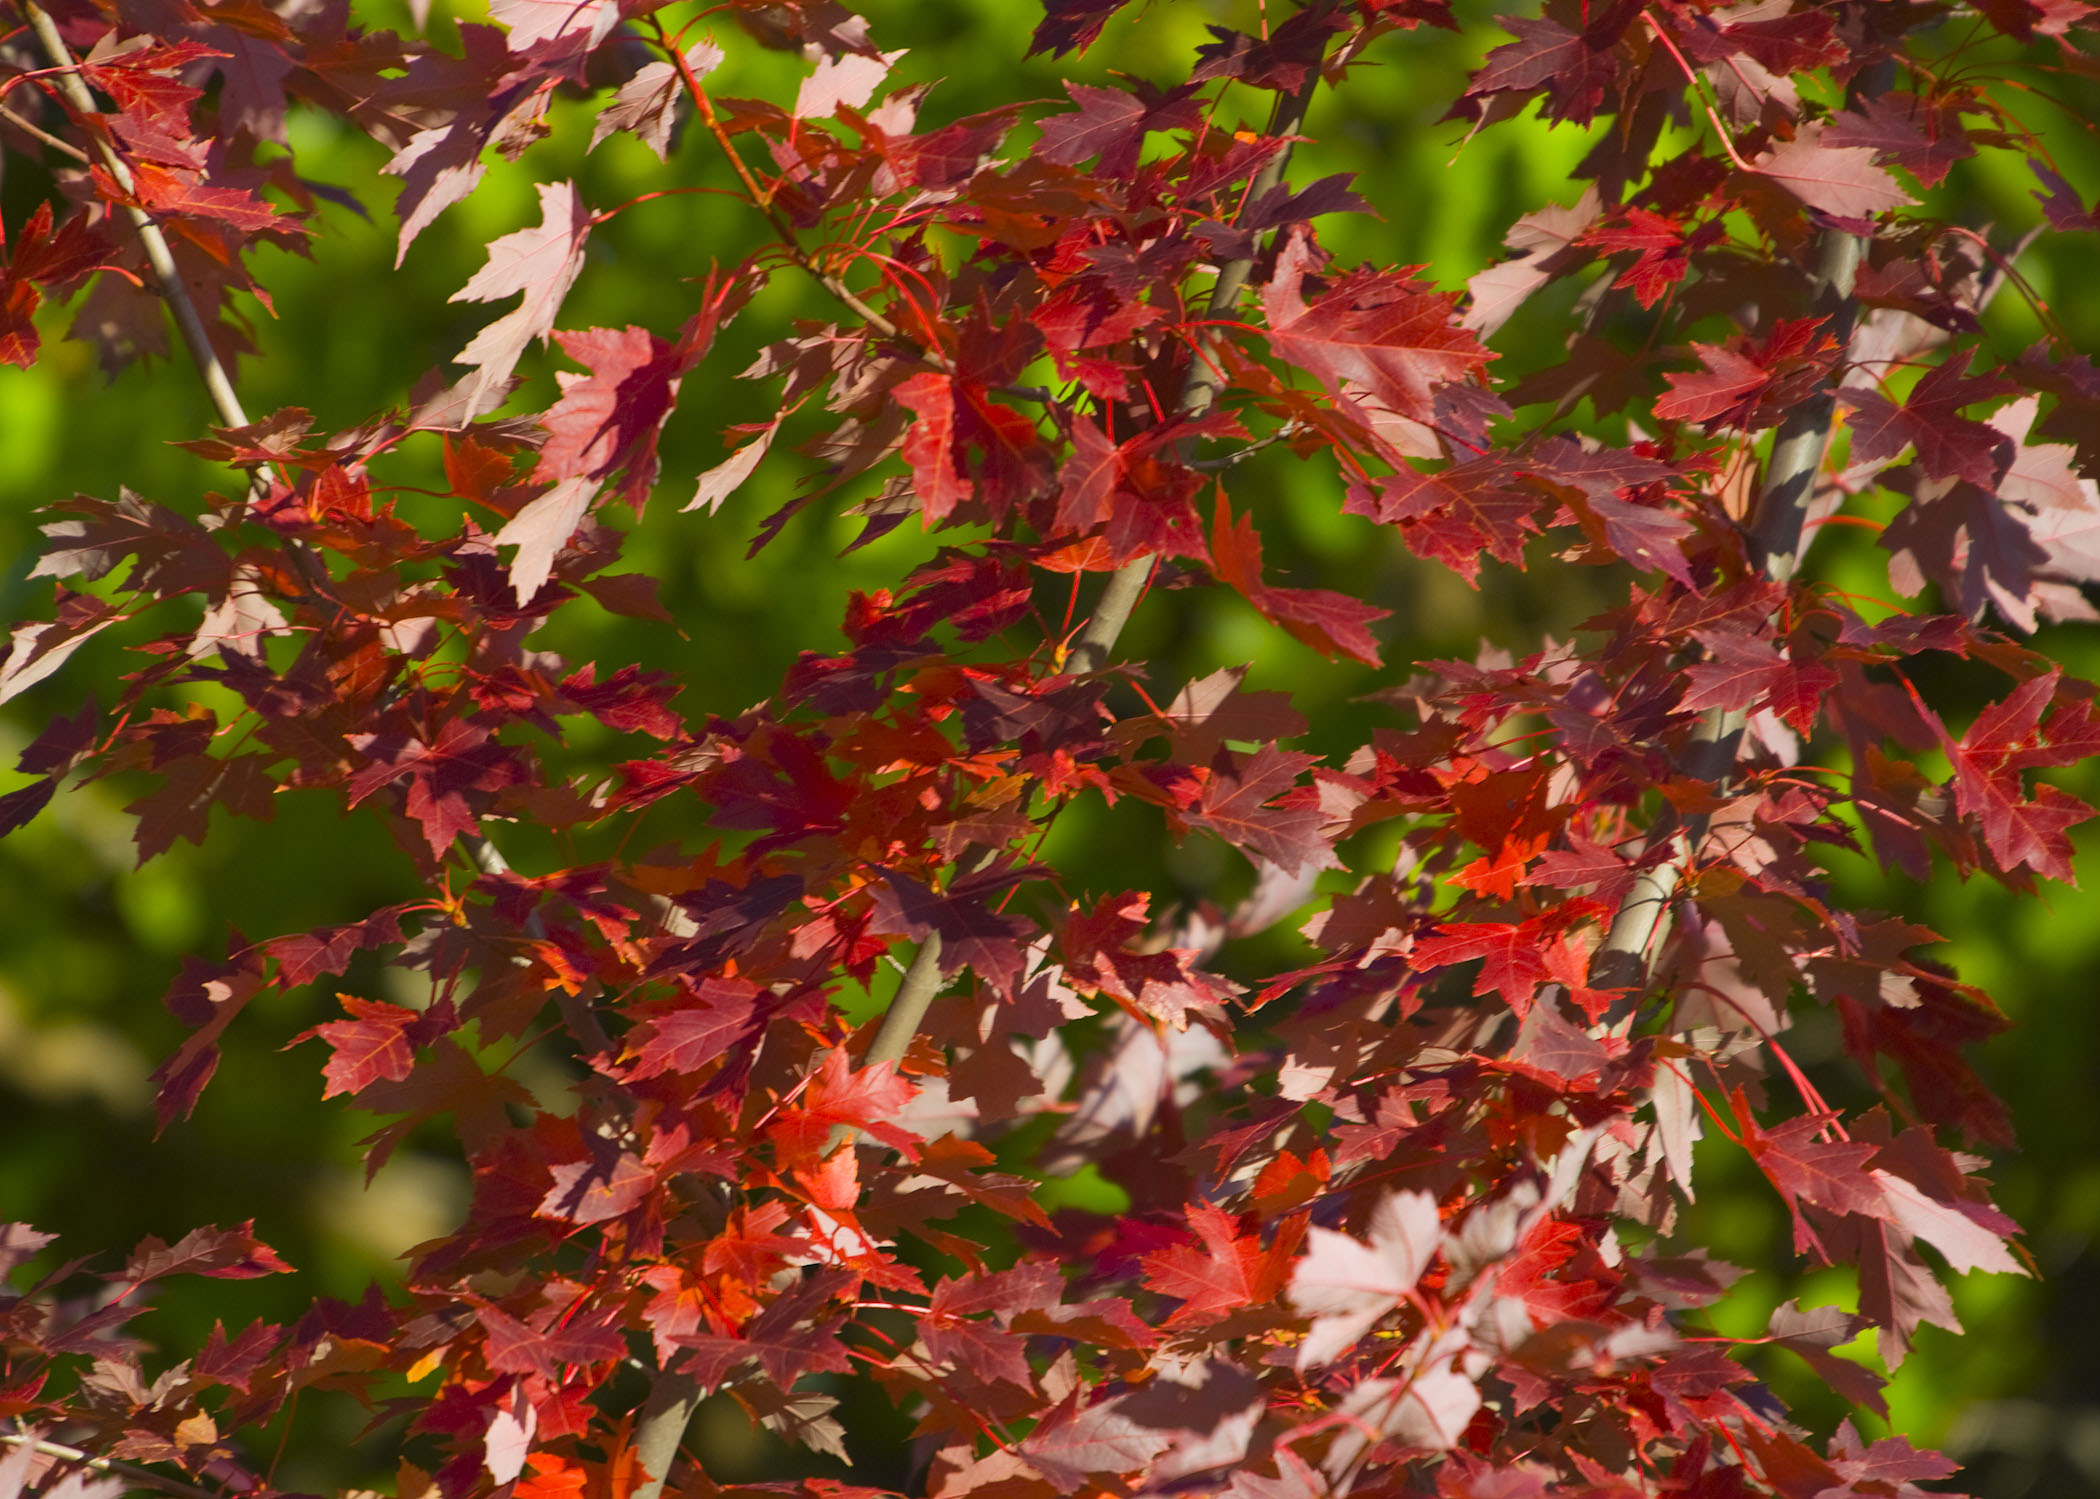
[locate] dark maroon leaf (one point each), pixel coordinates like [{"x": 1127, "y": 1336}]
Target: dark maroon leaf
[
  {"x": 515, "y": 1348},
  {"x": 1070, "y": 24},
  {"x": 1949, "y": 445},
  {"x": 221, "y": 1253},
  {"x": 1235, "y": 802},
  {"x": 1111, "y": 124}
]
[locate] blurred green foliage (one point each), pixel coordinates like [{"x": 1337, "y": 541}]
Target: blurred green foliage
[{"x": 88, "y": 943}]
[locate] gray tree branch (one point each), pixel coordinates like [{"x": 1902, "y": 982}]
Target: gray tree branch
[
  {"x": 113, "y": 1467},
  {"x": 672, "y": 1397},
  {"x": 195, "y": 336},
  {"x": 1776, "y": 546},
  {"x": 1096, "y": 641}
]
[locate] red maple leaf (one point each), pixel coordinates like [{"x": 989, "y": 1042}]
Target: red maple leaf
[
  {"x": 146, "y": 84},
  {"x": 2007, "y": 738},
  {"x": 306, "y": 956},
  {"x": 792, "y": 1336},
  {"x": 181, "y": 806},
  {"x": 516, "y": 1347},
  {"x": 1228, "y": 1272},
  {"x": 1111, "y": 123},
  {"x": 1576, "y": 68},
  {"x": 646, "y": 104},
  {"x": 1831, "y": 1175},
  {"x": 684, "y": 1035},
  {"x": 1512, "y": 956},
  {"x": 1382, "y": 333},
  {"x": 1088, "y": 478},
  {"x": 56, "y": 258},
  {"x": 1077, "y": 1440},
  {"x": 205, "y": 997},
  {"x": 930, "y": 446},
  {"x": 1071, "y": 23},
  {"x": 1468, "y": 511},
  {"x": 234, "y": 1362},
  {"x": 1331, "y": 623},
  {"x": 1724, "y": 394},
  {"x": 1743, "y": 670},
  {"x": 1647, "y": 536},
  {"x": 608, "y": 420},
  {"x": 987, "y": 1349},
  {"x": 1664, "y": 249},
  {"x": 605, "y": 1184},
  {"x": 1234, "y": 803},
  {"x": 1104, "y": 952},
  {"x": 1949, "y": 445},
  {"x": 374, "y": 1043},
  {"x": 472, "y": 100},
  {"x": 185, "y": 194},
  {"x": 18, "y": 335},
  {"x": 1839, "y": 180},
  {"x": 1903, "y": 128},
  {"x": 972, "y": 932},
  {"x": 867, "y": 1099},
  {"x": 221, "y": 1253},
  {"x": 461, "y": 761},
  {"x": 40, "y": 256}
]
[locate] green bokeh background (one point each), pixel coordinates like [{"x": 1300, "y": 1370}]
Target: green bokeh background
[{"x": 88, "y": 943}]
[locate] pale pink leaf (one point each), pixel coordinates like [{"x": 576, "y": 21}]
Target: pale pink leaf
[
  {"x": 1967, "y": 1244},
  {"x": 1535, "y": 240},
  {"x": 721, "y": 481},
  {"x": 42, "y": 646},
  {"x": 532, "y": 22},
  {"x": 1676, "y": 1121},
  {"x": 1346, "y": 1286},
  {"x": 2043, "y": 475},
  {"x": 1435, "y": 1411},
  {"x": 646, "y": 102},
  {"x": 1101, "y": 1438},
  {"x": 24, "y": 1470},
  {"x": 510, "y": 1440},
  {"x": 849, "y": 79},
  {"x": 542, "y": 263},
  {"x": 1429, "y": 1410},
  {"x": 543, "y": 528},
  {"x": 238, "y": 623},
  {"x": 1841, "y": 180}
]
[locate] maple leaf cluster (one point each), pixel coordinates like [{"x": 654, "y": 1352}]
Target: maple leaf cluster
[{"x": 1402, "y": 1217}]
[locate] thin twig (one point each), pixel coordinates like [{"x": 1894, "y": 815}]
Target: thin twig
[
  {"x": 35, "y": 132},
  {"x": 1199, "y": 389},
  {"x": 668, "y": 1410},
  {"x": 217, "y": 383},
  {"x": 1241, "y": 454},
  {"x": 763, "y": 202},
  {"x": 112, "y": 1465},
  {"x": 1119, "y": 599}
]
